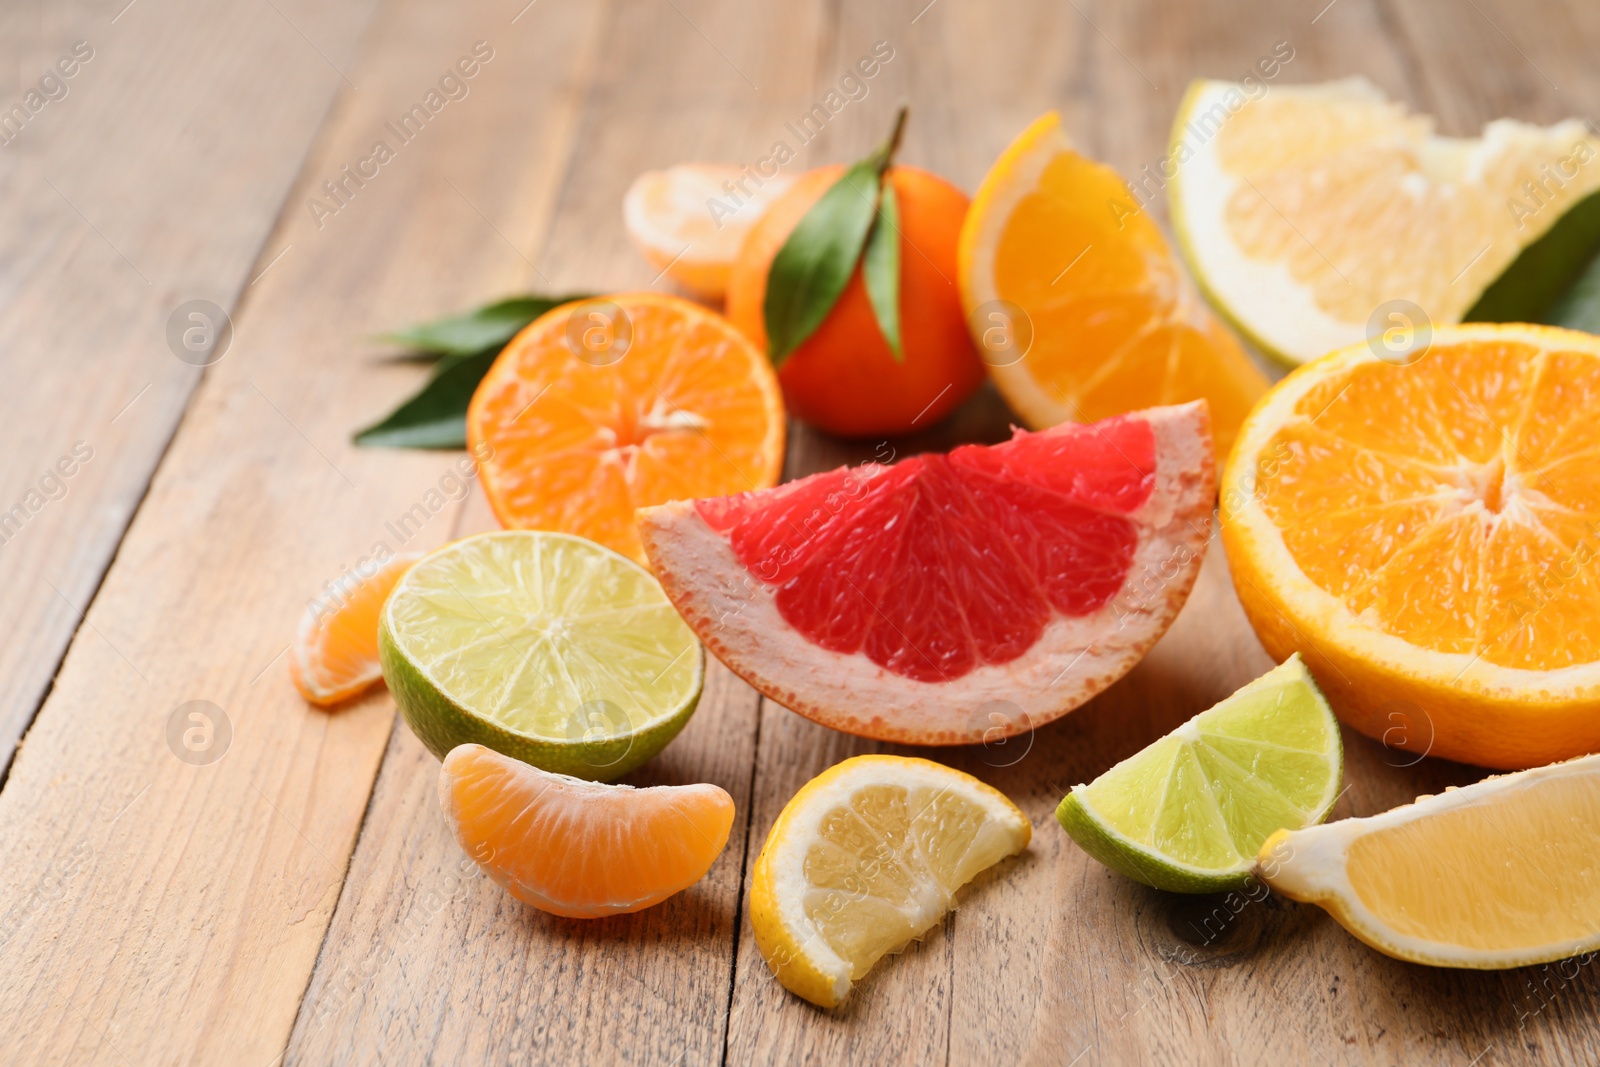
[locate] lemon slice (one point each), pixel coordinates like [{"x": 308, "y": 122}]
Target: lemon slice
[
  {"x": 864, "y": 859},
  {"x": 1189, "y": 812},
  {"x": 1497, "y": 874},
  {"x": 542, "y": 646},
  {"x": 1308, "y": 212}
]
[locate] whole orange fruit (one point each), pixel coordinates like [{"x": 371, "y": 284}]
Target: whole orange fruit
[{"x": 844, "y": 378}]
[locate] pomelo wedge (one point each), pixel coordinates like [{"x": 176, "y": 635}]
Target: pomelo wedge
[
  {"x": 1315, "y": 216},
  {"x": 910, "y": 603}
]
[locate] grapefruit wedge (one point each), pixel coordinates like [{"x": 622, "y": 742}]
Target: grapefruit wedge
[{"x": 956, "y": 598}]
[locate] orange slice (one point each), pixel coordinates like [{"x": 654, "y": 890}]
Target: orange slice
[
  {"x": 689, "y": 221},
  {"x": 603, "y": 406},
  {"x": 335, "y": 652},
  {"x": 576, "y": 848},
  {"x": 1078, "y": 305},
  {"x": 1426, "y": 535}
]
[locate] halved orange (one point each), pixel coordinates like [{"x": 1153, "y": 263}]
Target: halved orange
[
  {"x": 602, "y": 406},
  {"x": 1426, "y": 533},
  {"x": 576, "y": 848},
  {"x": 1079, "y": 307},
  {"x": 335, "y": 651}
]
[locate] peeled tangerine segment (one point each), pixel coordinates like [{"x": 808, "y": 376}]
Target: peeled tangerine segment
[
  {"x": 335, "y": 652},
  {"x": 575, "y": 848},
  {"x": 1497, "y": 874},
  {"x": 1188, "y": 812}
]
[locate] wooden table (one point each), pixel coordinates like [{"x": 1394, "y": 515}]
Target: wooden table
[{"x": 295, "y": 896}]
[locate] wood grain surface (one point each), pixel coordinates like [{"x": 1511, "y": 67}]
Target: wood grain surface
[{"x": 291, "y": 893}]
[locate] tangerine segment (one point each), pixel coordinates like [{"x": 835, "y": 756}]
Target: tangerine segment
[
  {"x": 1426, "y": 535},
  {"x": 335, "y": 652},
  {"x": 601, "y": 407},
  {"x": 1102, "y": 318},
  {"x": 575, "y": 848},
  {"x": 942, "y": 564}
]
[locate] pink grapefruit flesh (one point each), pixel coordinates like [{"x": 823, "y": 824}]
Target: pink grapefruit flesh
[{"x": 955, "y": 598}]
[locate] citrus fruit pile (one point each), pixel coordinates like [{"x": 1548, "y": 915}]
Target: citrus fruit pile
[{"x": 1408, "y": 527}]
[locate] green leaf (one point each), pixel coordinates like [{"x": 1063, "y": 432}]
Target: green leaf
[
  {"x": 471, "y": 332},
  {"x": 814, "y": 265},
  {"x": 880, "y": 267},
  {"x": 1543, "y": 281},
  {"x": 436, "y": 416},
  {"x": 1579, "y": 306}
]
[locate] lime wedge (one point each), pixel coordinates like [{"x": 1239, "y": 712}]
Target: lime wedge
[
  {"x": 543, "y": 646},
  {"x": 1189, "y": 812}
]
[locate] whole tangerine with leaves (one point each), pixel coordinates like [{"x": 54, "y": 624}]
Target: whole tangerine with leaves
[{"x": 849, "y": 282}]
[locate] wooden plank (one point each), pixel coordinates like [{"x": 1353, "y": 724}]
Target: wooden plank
[
  {"x": 151, "y": 179},
  {"x": 163, "y": 908},
  {"x": 496, "y": 980}
]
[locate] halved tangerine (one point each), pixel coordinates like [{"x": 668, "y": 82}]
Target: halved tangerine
[
  {"x": 575, "y": 848},
  {"x": 951, "y": 598},
  {"x": 602, "y": 406}
]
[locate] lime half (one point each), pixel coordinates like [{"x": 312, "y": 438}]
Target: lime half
[
  {"x": 543, "y": 646},
  {"x": 1189, "y": 812}
]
